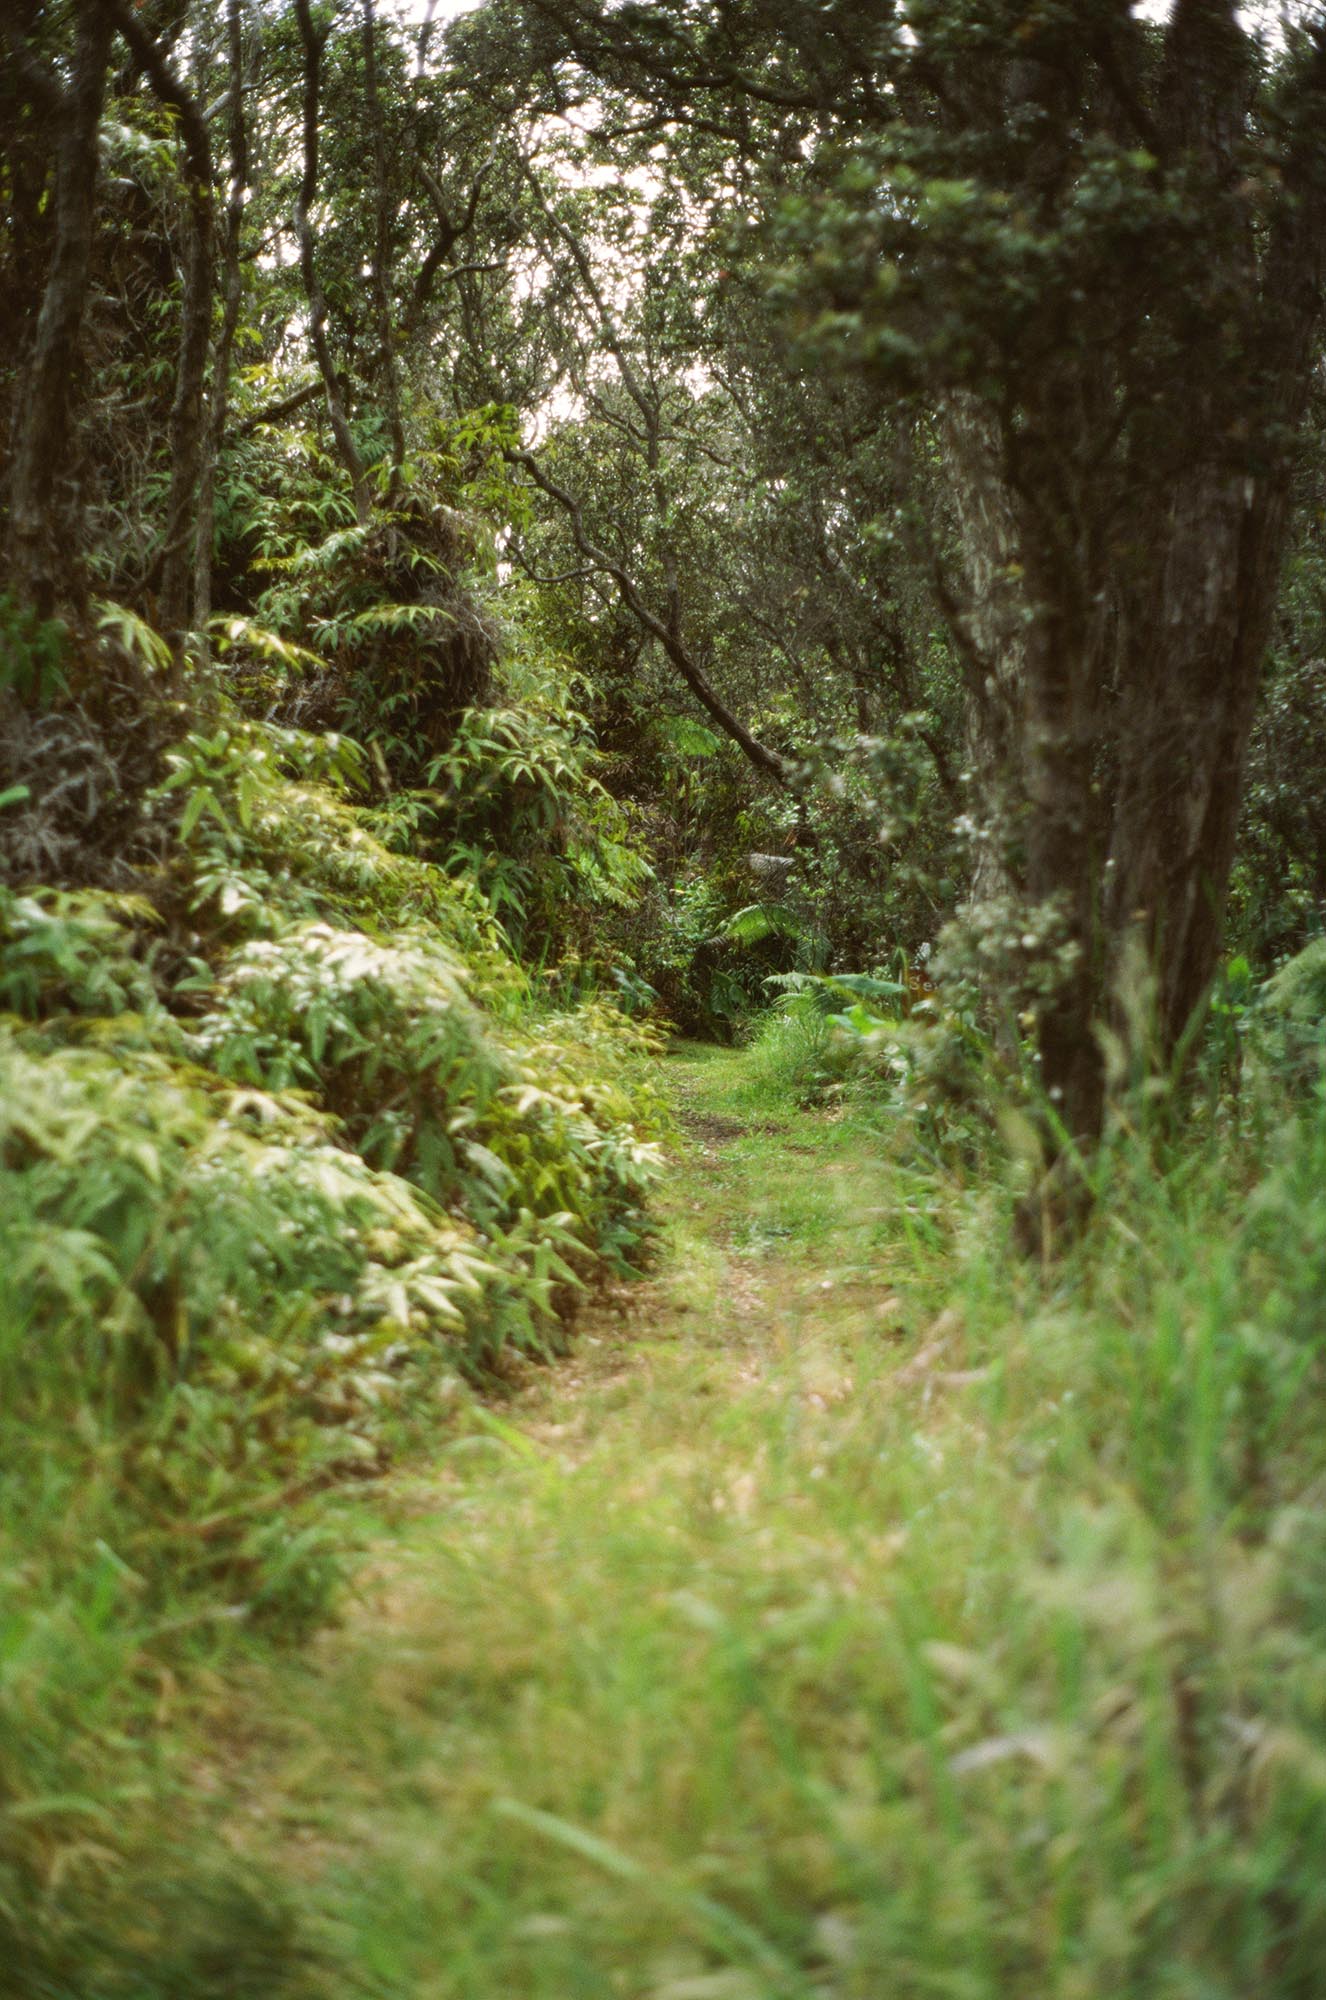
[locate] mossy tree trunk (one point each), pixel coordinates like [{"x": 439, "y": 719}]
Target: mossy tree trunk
[{"x": 41, "y": 570}]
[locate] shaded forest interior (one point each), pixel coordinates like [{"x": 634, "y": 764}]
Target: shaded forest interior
[{"x": 567, "y": 565}]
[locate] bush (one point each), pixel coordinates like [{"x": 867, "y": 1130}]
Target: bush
[
  {"x": 284, "y": 1152},
  {"x": 1293, "y": 1014}
]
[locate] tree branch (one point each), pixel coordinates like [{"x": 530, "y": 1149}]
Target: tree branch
[
  {"x": 314, "y": 41},
  {"x": 770, "y": 762}
]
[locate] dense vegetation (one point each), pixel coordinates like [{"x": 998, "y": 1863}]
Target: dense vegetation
[{"x": 532, "y": 530}]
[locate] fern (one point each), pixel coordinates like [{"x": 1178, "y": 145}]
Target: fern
[
  {"x": 758, "y": 921},
  {"x": 829, "y": 993}
]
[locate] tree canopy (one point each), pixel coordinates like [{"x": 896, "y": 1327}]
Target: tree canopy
[{"x": 911, "y": 403}]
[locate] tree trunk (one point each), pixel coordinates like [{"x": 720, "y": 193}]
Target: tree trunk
[
  {"x": 1199, "y": 637},
  {"x": 313, "y": 42},
  {"x": 381, "y": 264},
  {"x": 187, "y": 416},
  {"x": 231, "y": 295},
  {"x": 1122, "y": 537},
  {"x": 988, "y": 623},
  {"x": 1188, "y": 712},
  {"x": 42, "y": 572},
  {"x": 1032, "y": 670}
]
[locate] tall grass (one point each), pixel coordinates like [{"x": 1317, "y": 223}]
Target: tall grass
[
  {"x": 259, "y": 1210},
  {"x": 878, "y": 1612},
  {"x": 916, "y": 1623}
]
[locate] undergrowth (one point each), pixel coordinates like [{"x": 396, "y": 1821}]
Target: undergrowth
[
  {"x": 887, "y": 1616},
  {"x": 289, "y": 1149},
  {"x": 920, "y": 1618}
]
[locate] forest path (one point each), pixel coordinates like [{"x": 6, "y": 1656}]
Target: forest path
[{"x": 596, "y": 1721}]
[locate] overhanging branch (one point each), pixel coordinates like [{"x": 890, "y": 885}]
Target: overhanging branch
[{"x": 771, "y": 763}]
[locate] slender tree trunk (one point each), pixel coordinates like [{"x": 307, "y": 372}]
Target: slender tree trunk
[
  {"x": 188, "y": 420},
  {"x": 382, "y": 254},
  {"x": 43, "y": 572},
  {"x": 231, "y": 296},
  {"x": 314, "y": 42}
]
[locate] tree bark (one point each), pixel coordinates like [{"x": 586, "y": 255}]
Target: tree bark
[
  {"x": 1200, "y": 634},
  {"x": 231, "y": 298},
  {"x": 313, "y": 42},
  {"x": 988, "y": 623},
  {"x": 188, "y": 422},
  {"x": 381, "y": 264},
  {"x": 43, "y": 574},
  {"x": 1119, "y": 580}
]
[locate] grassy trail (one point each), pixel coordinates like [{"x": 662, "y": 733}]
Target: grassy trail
[
  {"x": 621, "y": 1603},
  {"x": 802, "y": 1637}
]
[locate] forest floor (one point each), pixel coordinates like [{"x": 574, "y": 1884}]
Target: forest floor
[
  {"x": 577, "y": 1731},
  {"x": 854, "y": 1611}
]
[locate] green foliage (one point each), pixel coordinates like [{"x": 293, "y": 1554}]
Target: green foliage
[
  {"x": 980, "y": 1647},
  {"x": 699, "y": 974},
  {"x": 231, "y": 635},
  {"x": 32, "y": 653},
  {"x": 73, "y": 949},
  {"x": 206, "y": 1263},
  {"x": 177, "y": 1220},
  {"x": 291, "y": 1142},
  {"x": 284, "y": 1154},
  {"x": 134, "y": 637},
  {"x": 688, "y": 738},
  {"x": 829, "y": 1032},
  {"x": 386, "y": 1035},
  {"x": 758, "y": 921},
  {"x": 834, "y": 994},
  {"x": 1292, "y": 1014},
  {"x": 268, "y": 835},
  {"x": 530, "y": 822},
  {"x": 385, "y": 614},
  {"x": 885, "y": 861},
  {"x": 1278, "y": 896},
  {"x": 705, "y": 963}
]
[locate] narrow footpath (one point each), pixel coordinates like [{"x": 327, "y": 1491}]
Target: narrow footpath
[{"x": 611, "y": 1711}]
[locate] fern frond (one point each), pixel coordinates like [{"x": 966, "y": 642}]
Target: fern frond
[{"x": 759, "y": 921}]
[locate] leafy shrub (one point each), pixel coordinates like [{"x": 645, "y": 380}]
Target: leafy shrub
[
  {"x": 284, "y": 1152},
  {"x": 529, "y": 820},
  {"x": 267, "y": 834},
  {"x": 32, "y": 653},
  {"x": 827, "y": 1031},
  {"x": 258, "y": 1230},
  {"x": 385, "y": 1033},
  {"x": 385, "y": 614},
  {"x": 164, "y": 1231},
  {"x": 72, "y": 949},
  {"x": 707, "y": 966},
  {"x": 1293, "y": 1013}
]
